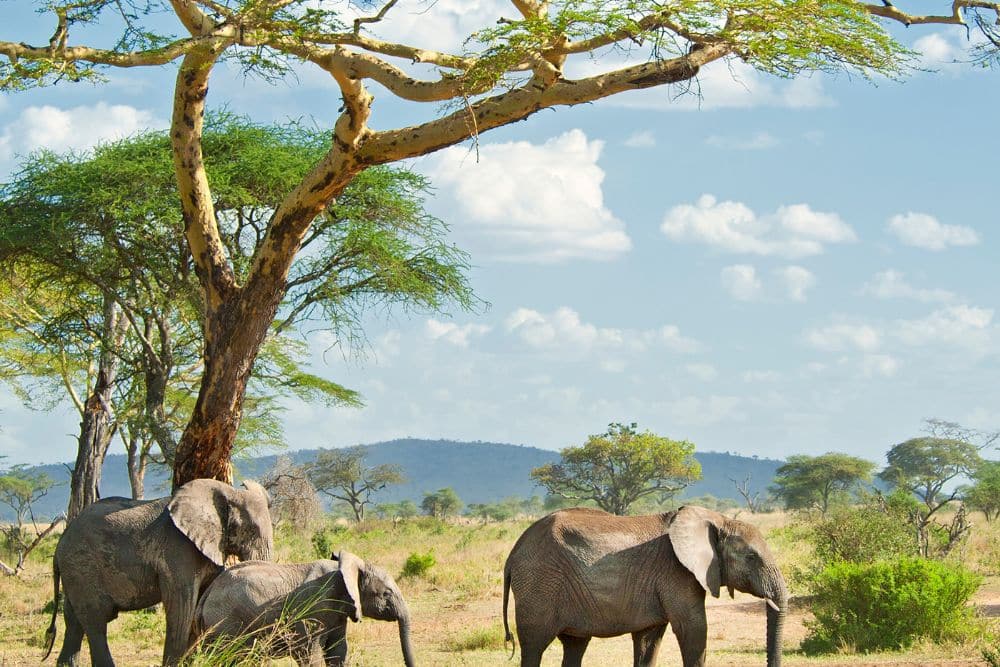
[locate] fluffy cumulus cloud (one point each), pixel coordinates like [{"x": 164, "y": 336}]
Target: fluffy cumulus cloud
[
  {"x": 940, "y": 50},
  {"x": 529, "y": 202},
  {"x": 925, "y": 231},
  {"x": 791, "y": 231},
  {"x": 892, "y": 284},
  {"x": 564, "y": 329},
  {"x": 452, "y": 333},
  {"x": 797, "y": 281},
  {"x": 879, "y": 365},
  {"x": 74, "y": 128},
  {"x": 741, "y": 281}
]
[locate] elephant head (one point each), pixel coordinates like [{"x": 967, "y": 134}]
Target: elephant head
[
  {"x": 374, "y": 594},
  {"x": 224, "y": 521},
  {"x": 725, "y": 552}
]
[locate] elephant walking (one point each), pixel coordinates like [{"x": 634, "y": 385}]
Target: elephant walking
[
  {"x": 582, "y": 573},
  {"x": 302, "y": 609},
  {"x": 121, "y": 554}
]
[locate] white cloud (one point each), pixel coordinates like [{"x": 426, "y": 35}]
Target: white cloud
[
  {"x": 564, "y": 329},
  {"x": 791, "y": 231},
  {"x": 703, "y": 411},
  {"x": 924, "y": 231},
  {"x": 704, "y": 372},
  {"x": 836, "y": 337},
  {"x": 530, "y": 202},
  {"x": 72, "y": 129},
  {"x": 761, "y": 376},
  {"x": 939, "y": 51},
  {"x": 756, "y": 142},
  {"x": 883, "y": 365},
  {"x": 892, "y": 284},
  {"x": 797, "y": 281},
  {"x": 644, "y": 139},
  {"x": 741, "y": 281},
  {"x": 957, "y": 325},
  {"x": 455, "y": 334}
]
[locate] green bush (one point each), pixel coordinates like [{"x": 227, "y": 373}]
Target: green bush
[
  {"x": 889, "y": 604},
  {"x": 417, "y": 565},
  {"x": 863, "y": 534}
]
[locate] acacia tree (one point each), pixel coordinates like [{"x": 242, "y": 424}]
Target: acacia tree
[
  {"x": 619, "y": 467},
  {"x": 508, "y": 71},
  {"x": 104, "y": 228},
  {"x": 984, "y": 494},
  {"x": 815, "y": 482},
  {"x": 343, "y": 475},
  {"x": 442, "y": 503},
  {"x": 924, "y": 467}
]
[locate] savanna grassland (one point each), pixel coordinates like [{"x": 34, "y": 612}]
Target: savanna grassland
[{"x": 456, "y": 604}]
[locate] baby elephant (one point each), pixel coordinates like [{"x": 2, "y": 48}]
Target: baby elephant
[{"x": 312, "y": 601}]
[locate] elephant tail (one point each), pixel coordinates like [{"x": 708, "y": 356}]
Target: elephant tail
[
  {"x": 507, "y": 637},
  {"x": 50, "y": 632}
]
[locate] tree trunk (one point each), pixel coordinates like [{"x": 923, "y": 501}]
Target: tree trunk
[
  {"x": 233, "y": 336},
  {"x": 97, "y": 426},
  {"x": 137, "y": 450}
]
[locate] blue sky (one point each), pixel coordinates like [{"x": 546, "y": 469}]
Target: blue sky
[{"x": 777, "y": 267}]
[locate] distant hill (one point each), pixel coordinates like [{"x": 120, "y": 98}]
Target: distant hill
[{"x": 480, "y": 472}]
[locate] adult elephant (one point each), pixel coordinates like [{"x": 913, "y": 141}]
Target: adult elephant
[
  {"x": 121, "y": 554},
  {"x": 583, "y": 573},
  {"x": 302, "y": 609}
]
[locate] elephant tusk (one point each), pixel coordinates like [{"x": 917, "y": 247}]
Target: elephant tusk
[{"x": 771, "y": 604}]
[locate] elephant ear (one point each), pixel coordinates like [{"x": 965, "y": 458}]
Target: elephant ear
[
  {"x": 197, "y": 509},
  {"x": 694, "y": 536},
  {"x": 350, "y": 571}
]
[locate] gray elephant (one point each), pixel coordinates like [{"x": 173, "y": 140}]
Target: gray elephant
[
  {"x": 313, "y": 600},
  {"x": 121, "y": 554},
  {"x": 582, "y": 573}
]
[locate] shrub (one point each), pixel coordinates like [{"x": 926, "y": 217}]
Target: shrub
[
  {"x": 417, "y": 565},
  {"x": 863, "y": 534},
  {"x": 889, "y": 604}
]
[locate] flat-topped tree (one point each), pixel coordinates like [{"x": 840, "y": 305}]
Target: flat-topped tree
[{"x": 509, "y": 70}]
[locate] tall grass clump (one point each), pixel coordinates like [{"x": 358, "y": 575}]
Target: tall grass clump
[
  {"x": 889, "y": 604},
  {"x": 417, "y": 565}
]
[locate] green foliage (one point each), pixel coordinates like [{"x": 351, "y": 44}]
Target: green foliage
[
  {"x": 875, "y": 530},
  {"x": 889, "y": 604},
  {"x": 441, "y": 503},
  {"x": 418, "y": 564},
  {"x": 404, "y": 509},
  {"x": 620, "y": 466},
  {"x": 816, "y": 482},
  {"x": 924, "y": 466},
  {"x": 506, "y": 509},
  {"x": 326, "y": 541},
  {"x": 20, "y": 488},
  {"x": 984, "y": 494}
]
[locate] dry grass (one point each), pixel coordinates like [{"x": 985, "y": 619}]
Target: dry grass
[{"x": 456, "y": 606}]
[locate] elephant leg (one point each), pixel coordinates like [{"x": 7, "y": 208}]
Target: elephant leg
[
  {"x": 691, "y": 632},
  {"x": 73, "y": 639},
  {"x": 179, "y": 606},
  {"x": 533, "y": 644},
  {"x": 646, "y": 644},
  {"x": 335, "y": 648},
  {"x": 573, "y": 650}
]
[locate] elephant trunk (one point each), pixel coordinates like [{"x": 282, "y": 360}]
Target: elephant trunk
[
  {"x": 777, "y": 608},
  {"x": 404, "y": 640}
]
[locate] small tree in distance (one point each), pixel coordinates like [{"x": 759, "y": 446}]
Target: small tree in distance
[
  {"x": 441, "y": 503},
  {"x": 984, "y": 494},
  {"x": 619, "y": 467},
  {"x": 816, "y": 482},
  {"x": 342, "y": 475}
]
